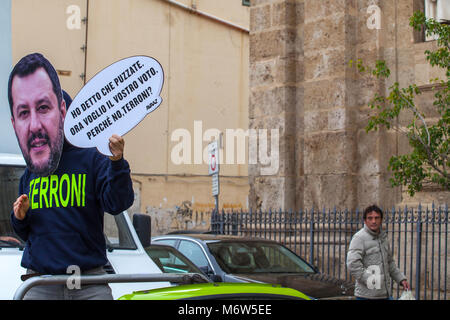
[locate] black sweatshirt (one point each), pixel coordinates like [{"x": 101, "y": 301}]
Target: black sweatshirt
[{"x": 64, "y": 225}]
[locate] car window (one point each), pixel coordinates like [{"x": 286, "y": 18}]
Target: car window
[
  {"x": 169, "y": 260},
  {"x": 193, "y": 252},
  {"x": 169, "y": 242},
  {"x": 254, "y": 257},
  {"x": 117, "y": 233}
]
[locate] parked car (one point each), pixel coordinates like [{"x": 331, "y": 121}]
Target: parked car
[
  {"x": 238, "y": 259},
  {"x": 219, "y": 291}
]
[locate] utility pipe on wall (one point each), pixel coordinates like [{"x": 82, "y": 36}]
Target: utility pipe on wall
[{"x": 207, "y": 15}]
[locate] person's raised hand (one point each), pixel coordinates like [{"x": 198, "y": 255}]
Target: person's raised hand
[
  {"x": 116, "y": 146},
  {"x": 21, "y": 206},
  {"x": 405, "y": 285}
]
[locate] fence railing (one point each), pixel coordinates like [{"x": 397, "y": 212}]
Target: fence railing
[{"x": 417, "y": 236}]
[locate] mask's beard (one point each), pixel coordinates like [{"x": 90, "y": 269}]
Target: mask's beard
[{"x": 56, "y": 147}]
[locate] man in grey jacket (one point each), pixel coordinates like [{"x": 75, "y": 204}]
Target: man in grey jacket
[{"x": 370, "y": 260}]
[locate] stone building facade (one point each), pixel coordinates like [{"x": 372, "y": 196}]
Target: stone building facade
[{"x": 301, "y": 83}]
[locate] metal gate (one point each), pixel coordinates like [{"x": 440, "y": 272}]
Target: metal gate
[{"x": 418, "y": 237}]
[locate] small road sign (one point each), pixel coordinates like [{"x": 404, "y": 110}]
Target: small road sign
[{"x": 213, "y": 156}]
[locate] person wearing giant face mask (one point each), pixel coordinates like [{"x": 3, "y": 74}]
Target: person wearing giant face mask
[{"x": 64, "y": 190}]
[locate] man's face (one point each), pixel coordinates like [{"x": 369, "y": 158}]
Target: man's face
[
  {"x": 373, "y": 221},
  {"x": 38, "y": 121}
]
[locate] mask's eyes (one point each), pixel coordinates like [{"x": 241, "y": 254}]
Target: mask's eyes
[
  {"x": 43, "y": 108},
  {"x": 22, "y": 113}
]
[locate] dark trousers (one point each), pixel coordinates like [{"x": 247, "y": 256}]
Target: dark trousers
[{"x": 62, "y": 292}]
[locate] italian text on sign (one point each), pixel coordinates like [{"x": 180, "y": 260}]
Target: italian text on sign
[{"x": 114, "y": 101}]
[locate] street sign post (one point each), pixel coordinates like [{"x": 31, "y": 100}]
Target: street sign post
[
  {"x": 213, "y": 170},
  {"x": 215, "y": 184}
]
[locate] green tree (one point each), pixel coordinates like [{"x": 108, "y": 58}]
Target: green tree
[{"x": 428, "y": 160}]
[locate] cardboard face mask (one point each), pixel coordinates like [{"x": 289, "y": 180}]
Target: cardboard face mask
[
  {"x": 114, "y": 101},
  {"x": 37, "y": 115}
]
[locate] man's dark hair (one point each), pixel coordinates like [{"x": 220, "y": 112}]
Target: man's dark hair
[
  {"x": 28, "y": 65},
  {"x": 371, "y": 208},
  {"x": 67, "y": 99}
]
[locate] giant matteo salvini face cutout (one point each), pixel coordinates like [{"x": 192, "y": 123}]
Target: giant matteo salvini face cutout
[{"x": 38, "y": 121}]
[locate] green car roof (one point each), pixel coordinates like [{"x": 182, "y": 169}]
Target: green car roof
[{"x": 206, "y": 291}]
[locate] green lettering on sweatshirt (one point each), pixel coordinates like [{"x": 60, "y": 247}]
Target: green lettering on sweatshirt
[{"x": 55, "y": 191}]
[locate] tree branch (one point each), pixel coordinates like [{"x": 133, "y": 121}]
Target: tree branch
[{"x": 416, "y": 112}]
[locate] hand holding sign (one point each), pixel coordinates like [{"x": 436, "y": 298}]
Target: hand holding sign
[
  {"x": 113, "y": 102},
  {"x": 116, "y": 146}
]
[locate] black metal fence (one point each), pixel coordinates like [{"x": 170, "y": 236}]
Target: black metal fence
[{"x": 418, "y": 237}]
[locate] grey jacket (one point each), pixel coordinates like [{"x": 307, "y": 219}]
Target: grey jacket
[{"x": 370, "y": 262}]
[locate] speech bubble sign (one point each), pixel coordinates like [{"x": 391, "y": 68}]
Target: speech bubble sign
[{"x": 114, "y": 101}]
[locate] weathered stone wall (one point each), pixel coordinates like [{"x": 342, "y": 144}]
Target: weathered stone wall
[
  {"x": 276, "y": 69},
  {"x": 329, "y": 150},
  {"x": 301, "y": 82}
]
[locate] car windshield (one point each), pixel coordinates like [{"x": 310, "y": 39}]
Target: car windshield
[
  {"x": 257, "y": 257},
  {"x": 169, "y": 260}
]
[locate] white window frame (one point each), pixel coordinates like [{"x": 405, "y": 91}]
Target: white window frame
[{"x": 439, "y": 10}]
